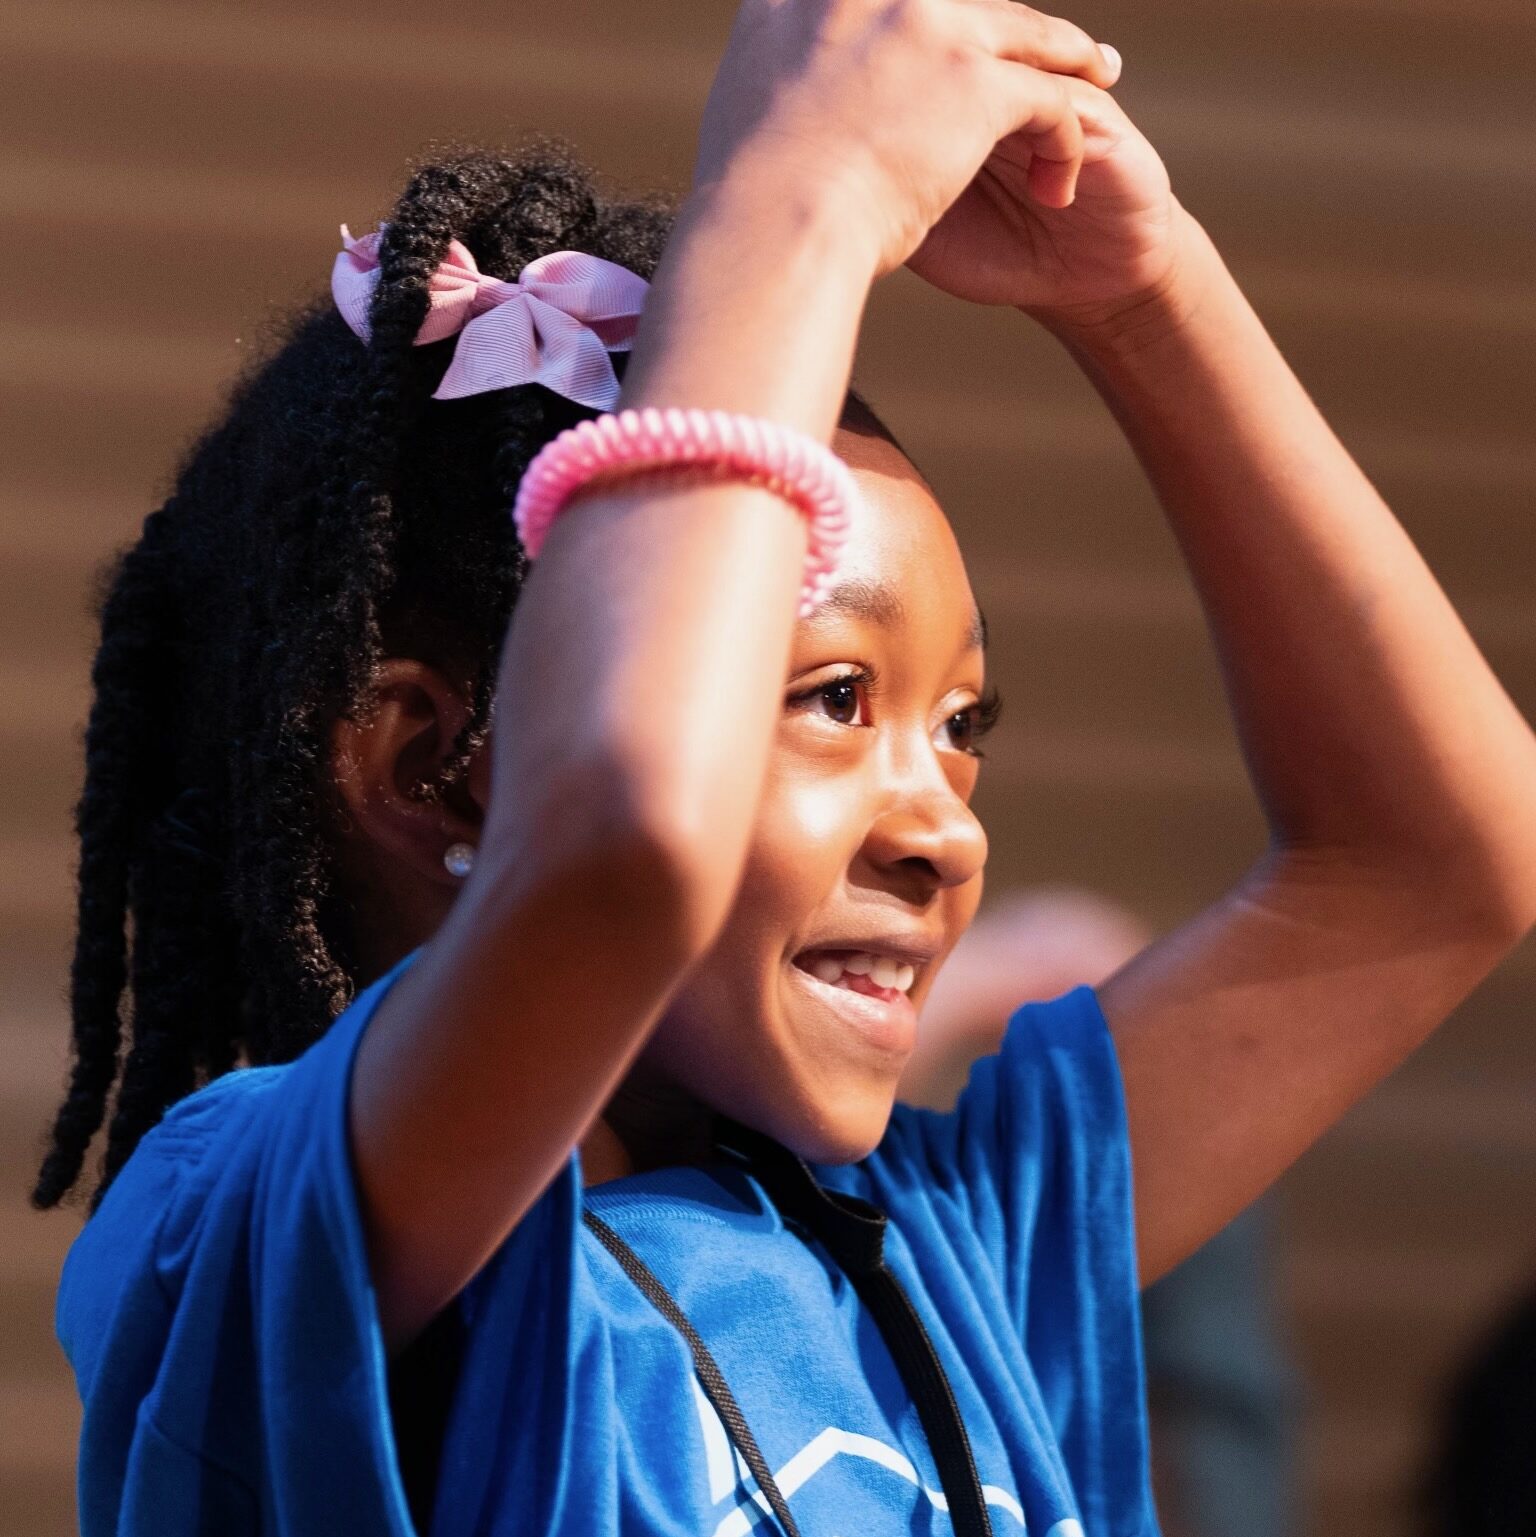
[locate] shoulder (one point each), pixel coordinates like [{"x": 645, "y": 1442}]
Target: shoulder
[
  {"x": 231, "y": 1122},
  {"x": 118, "y": 1246},
  {"x": 1036, "y": 1142},
  {"x": 187, "y": 1128},
  {"x": 1055, "y": 1075},
  {"x": 1057, "y": 1072},
  {"x": 202, "y": 1166},
  {"x": 180, "y": 1153}
]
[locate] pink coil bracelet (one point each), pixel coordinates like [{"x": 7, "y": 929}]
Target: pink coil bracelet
[{"x": 782, "y": 460}]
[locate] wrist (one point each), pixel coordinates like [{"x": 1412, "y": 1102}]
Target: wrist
[
  {"x": 786, "y": 208},
  {"x": 1139, "y": 324},
  {"x": 756, "y": 304}
]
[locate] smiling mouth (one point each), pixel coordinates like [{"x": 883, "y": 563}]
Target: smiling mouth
[{"x": 860, "y": 971}]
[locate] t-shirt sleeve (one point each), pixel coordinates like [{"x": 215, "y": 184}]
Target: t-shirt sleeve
[
  {"x": 1033, "y": 1165},
  {"x": 219, "y": 1316}
]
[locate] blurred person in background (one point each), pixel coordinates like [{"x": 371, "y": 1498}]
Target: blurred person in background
[
  {"x": 1223, "y": 1392},
  {"x": 1482, "y": 1472}
]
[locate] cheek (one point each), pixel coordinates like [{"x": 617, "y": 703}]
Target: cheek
[
  {"x": 809, "y": 824},
  {"x": 810, "y": 814},
  {"x": 802, "y": 843}
]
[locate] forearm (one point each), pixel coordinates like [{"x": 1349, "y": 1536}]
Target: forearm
[
  {"x": 639, "y": 689},
  {"x": 668, "y": 602},
  {"x": 1372, "y": 726}
]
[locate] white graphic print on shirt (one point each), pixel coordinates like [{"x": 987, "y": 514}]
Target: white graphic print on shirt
[{"x": 727, "y": 1472}]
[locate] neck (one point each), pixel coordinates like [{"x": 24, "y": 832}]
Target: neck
[{"x": 642, "y": 1129}]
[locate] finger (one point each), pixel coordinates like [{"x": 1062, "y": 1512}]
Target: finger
[
  {"x": 1043, "y": 112},
  {"x": 1100, "y": 116},
  {"x": 1026, "y": 36}
]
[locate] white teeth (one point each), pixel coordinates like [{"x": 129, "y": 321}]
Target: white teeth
[{"x": 882, "y": 970}]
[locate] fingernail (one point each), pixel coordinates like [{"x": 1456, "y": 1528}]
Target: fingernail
[{"x": 1111, "y": 56}]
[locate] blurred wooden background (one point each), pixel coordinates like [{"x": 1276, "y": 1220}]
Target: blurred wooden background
[{"x": 173, "y": 170}]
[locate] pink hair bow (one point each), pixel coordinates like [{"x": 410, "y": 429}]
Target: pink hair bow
[{"x": 554, "y": 326}]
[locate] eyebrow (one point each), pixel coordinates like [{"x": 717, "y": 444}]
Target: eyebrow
[{"x": 877, "y": 604}]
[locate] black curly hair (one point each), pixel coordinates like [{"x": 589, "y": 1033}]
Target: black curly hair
[{"x": 333, "y": 515}]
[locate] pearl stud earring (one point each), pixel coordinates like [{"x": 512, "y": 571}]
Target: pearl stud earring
[{"x": 459, "y": 858}]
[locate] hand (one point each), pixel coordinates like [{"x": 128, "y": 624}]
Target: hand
[
  {"x": 885, "y": 110},
  {"x": 1121, "y": 240}
]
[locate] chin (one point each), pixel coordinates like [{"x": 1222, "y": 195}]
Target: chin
[
  {"x": 806, "y": 1089},
  {"x": 837, "y": 1132}
]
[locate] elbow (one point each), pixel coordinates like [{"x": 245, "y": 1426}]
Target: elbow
[
  {"x": 1503, "y": 905},
  {"x": 1475, "y": 902},
  {"x": 638, "y": 846},
  {"x": 1480, "y": 871},
  {"x": 1487, "y": 883},
  {"x": 1487, "y": 897},
  {"x": 653, "y": 881}
]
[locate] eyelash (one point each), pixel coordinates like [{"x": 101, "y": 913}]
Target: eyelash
[
  {"x": 984, "y": 712},
  {"x": 988, "y": 708}
]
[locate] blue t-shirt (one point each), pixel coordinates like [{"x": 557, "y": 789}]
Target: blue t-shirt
[{"x": 218, "y": 1314}]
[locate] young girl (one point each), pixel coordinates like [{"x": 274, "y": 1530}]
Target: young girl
[{"x": 524, "y": 1241}]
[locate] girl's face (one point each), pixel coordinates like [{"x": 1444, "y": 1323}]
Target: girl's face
[{"x": 866, "y": 861}]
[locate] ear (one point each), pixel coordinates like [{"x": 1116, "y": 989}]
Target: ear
[{"x": 379, "y": 766}]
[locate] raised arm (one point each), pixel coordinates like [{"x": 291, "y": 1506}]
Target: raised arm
[
  {"x": 619, "y": 811},
  {"x": 1398, "y": 780},
  {"x": 620, "y": 808}
]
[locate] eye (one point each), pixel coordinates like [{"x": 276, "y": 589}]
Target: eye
[
  {"x": 967, "y": 727},
  {"x": 840, "y": 699}
]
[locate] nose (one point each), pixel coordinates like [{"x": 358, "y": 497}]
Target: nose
[{"x": 925, "y": 831}]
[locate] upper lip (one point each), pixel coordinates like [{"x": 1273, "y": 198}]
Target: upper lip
[{"x": 910, "y": 949}]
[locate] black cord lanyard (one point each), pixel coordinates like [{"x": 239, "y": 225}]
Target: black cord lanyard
[{"x": 853, "y": 1232}]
